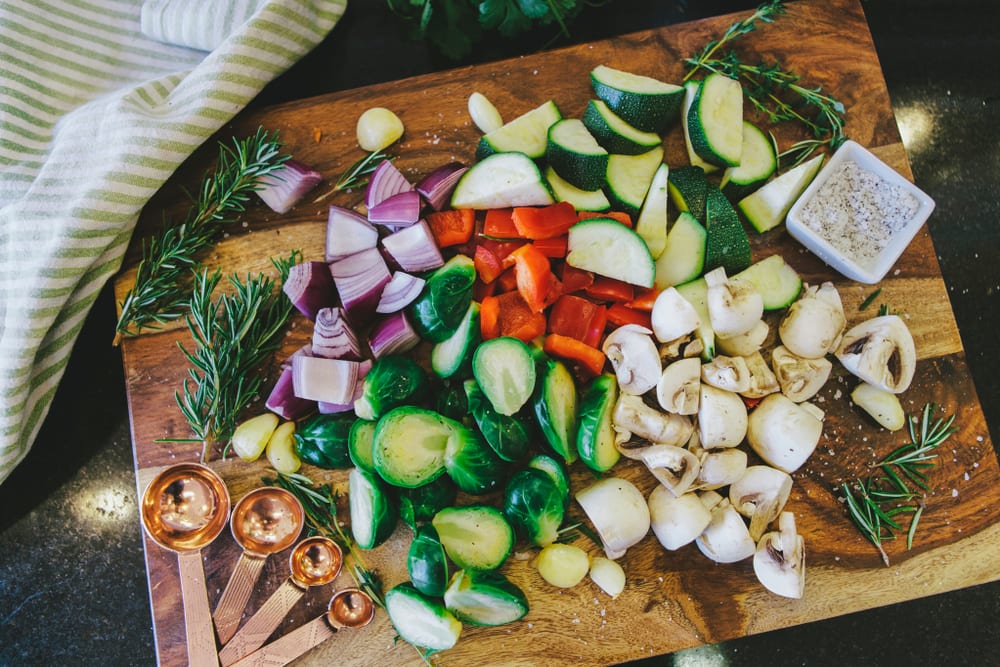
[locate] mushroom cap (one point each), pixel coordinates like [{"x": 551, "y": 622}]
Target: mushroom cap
[{"x": 782, "y": 432}]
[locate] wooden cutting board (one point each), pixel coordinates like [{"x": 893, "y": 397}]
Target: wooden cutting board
[{"x": 672, "y": 600}]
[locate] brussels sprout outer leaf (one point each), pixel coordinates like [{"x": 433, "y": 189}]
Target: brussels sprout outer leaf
[
  {"x": 374, "y": 513},
  {"x": 485, "y": 598},
  {"x": 555, "y": 470},
  {"x": 438, "y": 311},
  {"x": 509, "y": 436},
  {"x": 471, "y": 463},
  {"x": 595, "y": 438},
  {"x": 322, "y": 440},
  {"x": 419, "y": 505},
  {"x": 534, "y": 505},
  {"x": 451, "y": 401},
  {"x": 426, "y": 562},
  {"x": 392, "y": 381}
]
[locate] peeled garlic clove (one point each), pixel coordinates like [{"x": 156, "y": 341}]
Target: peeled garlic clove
[
  {"x": 608, "y": 575},
  {"x": 729, "y": 373},
  {"x": 799, "y": 378},
  {"x": 280, "y": 450},
  {"x": 734, "y": 306},
  {"x": 881, "y": 352},
  {"x": 378, "y": 128},
  {"x": 483, "y": 113},
  {"x": 814, "y": 323},
  {"x": 780, "y": 559},
  {"x": 883, "y": 406}
]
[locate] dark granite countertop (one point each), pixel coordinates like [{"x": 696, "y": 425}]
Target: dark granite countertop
[{"x": 73, "y": 586}]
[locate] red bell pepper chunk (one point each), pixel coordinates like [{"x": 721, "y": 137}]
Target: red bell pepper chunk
[
  {"x": 620, "y": 315},
  {"x": 610, "y": 289},
  {"x": 544, "y": 222},
  {"x": 499, "y": 224},
  {"x": 570, "y": 349},
  {"x": 451, "y": 227},
  {"x": 488, "y": 266},
  {"x": 515, "y": 318},
  {"x": 620, "y": 216},
  {"x": 535, "y": 280},
  {"x": 574, "y": 279},
  {"x": 553, "y": 248}
]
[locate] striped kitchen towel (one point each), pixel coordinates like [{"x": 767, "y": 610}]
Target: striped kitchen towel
[{"x": 100, "y": 101}]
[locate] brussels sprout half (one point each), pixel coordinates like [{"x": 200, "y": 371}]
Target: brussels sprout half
[
  {"x": 534, "y": 505},
  {"x": 322, "y": 440}
]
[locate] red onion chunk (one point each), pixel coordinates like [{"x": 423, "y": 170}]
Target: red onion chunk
[
  {"x": 348, "y": 233},
  {"x": 385, "y": 182},
  {"x": 414, "y": 248},
  {"x": 359, "y": 388},
  {"x": 286, "y": 185},
  {"x": 359, "y": 279},
  {"x": 400, "y": 292},
  {"x": 436, "y": 186},
  {"x": 333, "y": 337},
  {"x": 326, "y": 380},
  {"x": 282, "y": 400},
  {"x": 310, "y": 288},
  {"x": 400, "y": 210},
  {"x": 392, "y": 334}
]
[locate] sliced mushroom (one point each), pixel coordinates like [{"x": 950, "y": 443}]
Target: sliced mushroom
[
  {"x": 779, "y": 560},
  {"x": 674, "y": 467},
  {"x": 726, "y": 538},
  {"x": 734, "y": 306},
  {"x": 632, "y": 352},
  {"x": 881, "y": 352},
  {"x": 729, "y": 373},
  {"x": 679, "y": 387},
  {"x": 762, "y": 379},
  {"x": 632, "y": 414},
  {"x": 676, "y": 520},
  {"x": 760, "y": 494},
  {"x": 710, "y": 499},
  {"x": 745, "y": 343},
  {"x": 799, "y": 378},
  {"x": 782, "y": 432},
  {"x": 722, "y": 418},
  {"x": 673, "y": 316},
  {"x": 814, "y": 323},
  {"x": 719, "y": 468}
]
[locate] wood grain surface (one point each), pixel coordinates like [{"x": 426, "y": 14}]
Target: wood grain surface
[{"x": 672, "y": 600}]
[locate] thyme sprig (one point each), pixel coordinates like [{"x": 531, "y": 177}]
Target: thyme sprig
[
  {"x": 234, "y": 335},
  {"x": 163, "y": 276},
  {"x": 320, "y": 504},
  {"x": 875, "y": 502},
  {"x": 774, "y": 91},
  {"x": 356, "y": 175}
]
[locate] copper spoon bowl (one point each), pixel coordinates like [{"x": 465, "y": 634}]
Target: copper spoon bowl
[
  {"x": 315, "y": 561},
  {"x": 184, "y": 508},
  {"x": 265, "y": 521}
]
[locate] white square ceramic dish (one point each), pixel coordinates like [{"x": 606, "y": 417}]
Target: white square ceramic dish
[{"x": 867, "y": 270}]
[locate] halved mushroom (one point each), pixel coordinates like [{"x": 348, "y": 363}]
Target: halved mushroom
[
  {"x": 745, "y": 343},
  {"x": 673, "y": 316},
  {"x": 729, "y": 373},
  {"x": 719, "y": 467},
  {"x": 679, "y": 387},
  {"x": 673, "y": 349},
  {"x": 799, "y": 378},
  {"x": 814, "y": 323},
  {"x": 881, "y": 352},
  {"x": 632, "y": 414},
  {"x": 782, "y": 432},
  {"x": 762, "y": 379},
  {"x": 734, "y": 306},
  {"x": 779, "y": 560},
  {"x": 676, "y": 520},
  {"x": 722, "y": 418},
  {"x": 726, "y": 538},
  {"x": 674, "y": 467},
  {"x": 760, "y": 495},
  {"x": 632, "y": 352}
]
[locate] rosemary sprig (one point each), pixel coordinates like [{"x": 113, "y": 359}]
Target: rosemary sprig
[
  {"x": 320, "y": 505},
  {"x": 880, "y": 498},
  {"x": 233, "y": 335},
  {"x": 869, "y": 299},
  {"x": 774, "y": 91},
  {"x": 163, "y": 276},
  {"x": 356, "y": 175}
]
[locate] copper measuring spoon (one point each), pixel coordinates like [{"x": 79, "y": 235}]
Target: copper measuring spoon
[
  {"x": 349, "y": 608},
  {"x": 314, "y": 561},
  {"x": 183, "y": 509},
  {"x": 265, "y": 521}
]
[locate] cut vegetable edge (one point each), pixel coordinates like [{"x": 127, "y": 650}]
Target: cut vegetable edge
[{"x": 502, "y": 180}]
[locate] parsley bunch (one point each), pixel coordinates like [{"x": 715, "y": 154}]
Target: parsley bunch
[{"x": 454, "y": 26}]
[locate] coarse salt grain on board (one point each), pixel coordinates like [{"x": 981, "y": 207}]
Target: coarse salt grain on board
[{"x": 857, "y": 211}]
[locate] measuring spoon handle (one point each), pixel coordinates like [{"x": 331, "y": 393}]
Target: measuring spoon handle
[
  {"x": 197, "y": 615},
  {"x": 289, "y": 647},
  {"x": 229, "y": 610},
  {"x": 260, "y": 626}
]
